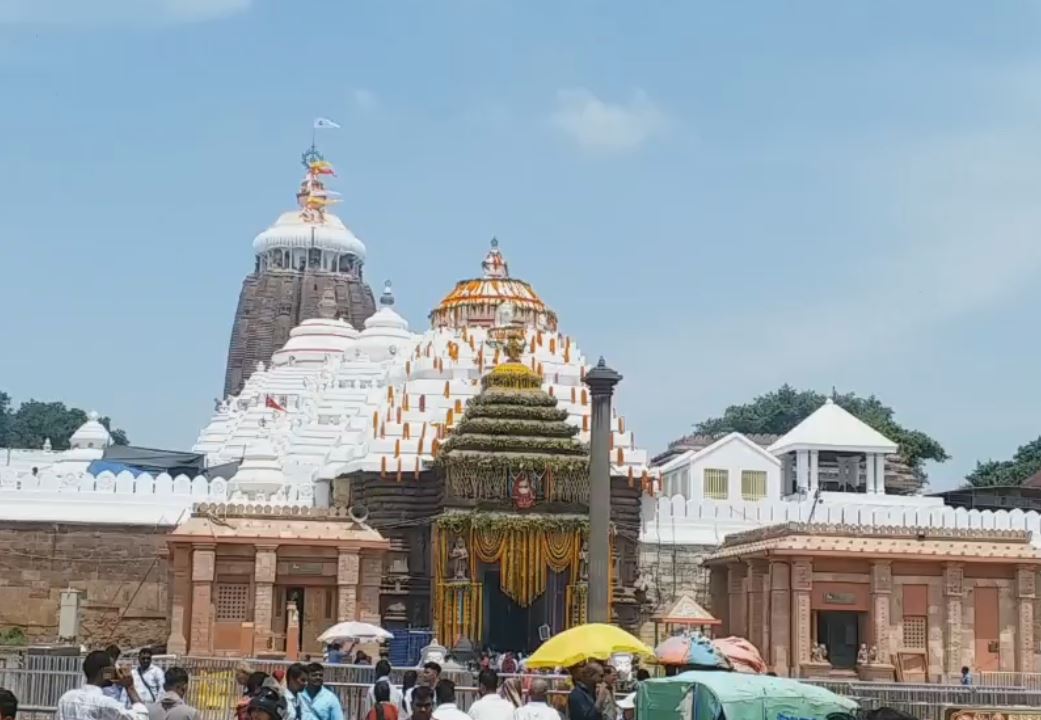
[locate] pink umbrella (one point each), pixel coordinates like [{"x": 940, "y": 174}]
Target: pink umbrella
[{"x": 741, "y": 654}]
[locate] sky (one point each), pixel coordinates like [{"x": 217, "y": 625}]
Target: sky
[{"x": 717, "y": 197}]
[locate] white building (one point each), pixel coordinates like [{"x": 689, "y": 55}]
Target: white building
[{"x": 733, "y": 468}]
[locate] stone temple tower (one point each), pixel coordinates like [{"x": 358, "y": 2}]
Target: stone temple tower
[{"x": 306, "y": 255}]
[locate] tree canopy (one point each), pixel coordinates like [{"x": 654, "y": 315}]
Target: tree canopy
[
  {"x": 777, "y": 412},
  {"x": 34, "y": 421},
  {"x": 1025, "y": 462}
]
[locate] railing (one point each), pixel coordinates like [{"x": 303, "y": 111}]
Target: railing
[
  {"x": 1024, "y": 680},
  {"x": 927, "y": 702}
]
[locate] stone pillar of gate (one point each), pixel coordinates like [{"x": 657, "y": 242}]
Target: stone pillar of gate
[
  {"x": 347, "y": 568},
  {"x": 881, "y": 594},
  {"x": 180, "y": 574},
  {"x": 953, "y": 591},
  {"x": 758, "y": 632},
  {"x": 802, "y": 633},
  {"x": 780, "y": 617},
  {"x": 204, "y": 560},
  {"x": 1026, "y": 592},
  {"x": 737, "y": 599},
  {"x": 264, "y": 566}
]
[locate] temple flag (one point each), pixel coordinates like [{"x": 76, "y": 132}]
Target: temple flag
[
  {"x": 273, "y": 404},
  {"x": 325, "y": 124}
]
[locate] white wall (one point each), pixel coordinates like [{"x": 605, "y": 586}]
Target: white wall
[{"x": 733, "y": 455}]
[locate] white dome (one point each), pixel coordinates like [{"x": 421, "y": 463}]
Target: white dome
[
  {"x": 91, "y": 434},
  {"x": 292, "y": 231},
  {"x": 260, "y": 470},
  {"x": 314, "y": 339},
  {"x": 386, "y": 333}
]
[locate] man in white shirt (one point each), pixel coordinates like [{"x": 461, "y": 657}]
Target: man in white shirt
[
  {"x": 148, "y": 678},
  {"x": 537, "y": 708},
  {"x": 491, "y": 705},
  {"x": 446, "y": 707},
  {"x": 90, "y": 703}
]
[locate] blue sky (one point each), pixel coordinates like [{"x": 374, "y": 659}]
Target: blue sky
[{"x": 718, "y": 197}]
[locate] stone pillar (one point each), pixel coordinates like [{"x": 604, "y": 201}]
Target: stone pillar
[
  {"x": 264, "y": 566},
  {"x": 204, "y": 560},
  {"x": 802, "y": 633},
  {"x": 953, "y": 591},
  {"x": 802, "y": 471},
  {"x": 780, "y": 617},
  {"x": 881, "y": 594},
  {"x": 1026, "y": 592},
  {"x": 180, "y": 597},
  {"x": 869, "y": 474},
  {"x": 880, "y": 474},
  {"x": 815, "y": 474},
  {"x": 370, "y": 574},
  {"x": 736, "y": 624},
  {"x": 601, "y": 381},
  {"x": 347, "y": 584},
  {"x": 757, "y": 621}
]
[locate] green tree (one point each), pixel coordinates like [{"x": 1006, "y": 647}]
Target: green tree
[
  {"x": 34, "y": 421},
  {"x": 1025, "y": 462},
  {"x": 777, "y": 412}
]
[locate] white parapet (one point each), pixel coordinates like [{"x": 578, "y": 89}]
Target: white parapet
[
  {"x": 678, "y": 521},
  {"x": 160, "y": 501}
]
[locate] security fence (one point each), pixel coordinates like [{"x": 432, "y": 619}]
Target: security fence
[{"x": 39, "y": 681}]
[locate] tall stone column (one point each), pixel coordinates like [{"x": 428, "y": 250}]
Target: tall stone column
[
  {"x": 757, "y": 620},
  {"x": 953, "y": 591},
  {"x": 1026, "y": 592},
  {"x": 370, "y": 575},
  {"x": 780, "y": 617},
  {"x": 601, "y": 381},
  {"x": 180, "y": 597},
  {"x": 881, "y": 594},
  {"x": 347, "y": 565},
  {"x": 802, "y": 633},
  {"x": 204, "y": 561},
  {"x": 737, "y": 624},
  {"x": 264, "y": 568}
]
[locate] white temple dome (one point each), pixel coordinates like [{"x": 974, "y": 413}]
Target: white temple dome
[
  {"x": 91, "y": 434},
  {"x": 315, "y": 339},
  {"x": 386, "y": 333},
  {"x": 291, "y": 230},
  {"x": 260, "y": 471}
]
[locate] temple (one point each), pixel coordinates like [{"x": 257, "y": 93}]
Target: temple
[{"x": 307, "y": 255}]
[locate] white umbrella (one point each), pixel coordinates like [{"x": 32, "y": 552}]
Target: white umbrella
[{"x": 354, "y": 630}]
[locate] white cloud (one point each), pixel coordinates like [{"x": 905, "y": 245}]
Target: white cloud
[
  {"x": 364, "y": 100},
  {"x": 600, "y": 126},
  {"x": 108, "y": 12}
]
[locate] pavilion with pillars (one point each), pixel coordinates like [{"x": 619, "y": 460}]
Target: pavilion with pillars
[
  {"x": 834, "y": 599},
  {"x": 253, "y": 581}
]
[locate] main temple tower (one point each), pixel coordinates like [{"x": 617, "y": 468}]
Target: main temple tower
[{"x": 306, "y": 255}]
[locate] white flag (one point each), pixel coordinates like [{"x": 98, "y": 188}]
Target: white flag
[{"x": 324, "y": 123}]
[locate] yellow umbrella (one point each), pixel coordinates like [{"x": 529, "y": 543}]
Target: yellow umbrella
[{"x": 595, "y": 641}]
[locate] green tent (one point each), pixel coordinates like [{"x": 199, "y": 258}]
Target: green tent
[{"x": 718, "y": 695}]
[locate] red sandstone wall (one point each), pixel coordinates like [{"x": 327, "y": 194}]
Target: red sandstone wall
[{"x": 121, "y": 569}]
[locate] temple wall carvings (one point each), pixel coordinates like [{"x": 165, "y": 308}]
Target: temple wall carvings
[{"x": 120, "y": 569}]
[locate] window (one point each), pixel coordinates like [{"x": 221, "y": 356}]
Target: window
[
  {"x": 915, "y": 632},
  {"x": 716, "y": 484},
  {"x": 753, "y": 484},
  {"x": 232, "y": 602}
]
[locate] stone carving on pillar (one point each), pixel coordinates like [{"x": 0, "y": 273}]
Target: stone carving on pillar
[
  {"x": 802, "y": 584},
  {"x": 878, "y": 667},
  {"x": 953, "y": 590},
  {"x": 204, "y": 562},
  {"x": 347, "y": 570},
  {"x": 264, "y": 566},
  {"x": 1026, "y": 592}
]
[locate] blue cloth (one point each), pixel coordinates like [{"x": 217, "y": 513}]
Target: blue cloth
[{"x": 322, "y": 706}]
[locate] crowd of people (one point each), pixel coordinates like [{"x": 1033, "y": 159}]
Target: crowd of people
[{"x": 147, "y": 692}]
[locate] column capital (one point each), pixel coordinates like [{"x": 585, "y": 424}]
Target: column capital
[
  {"x": 602, "y": 379},
  {"x": 779, "y": 576},
  {"x": 757, "y": 567},
  {"x": 204, "y": 563},
  {"x": 266, "y": 547},
  {"x": 881, "y": 576},
  {"x": 802, "y": 574},
  {"x": 953, "y": 579},
  {"x": 1026, "y": 581}
]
